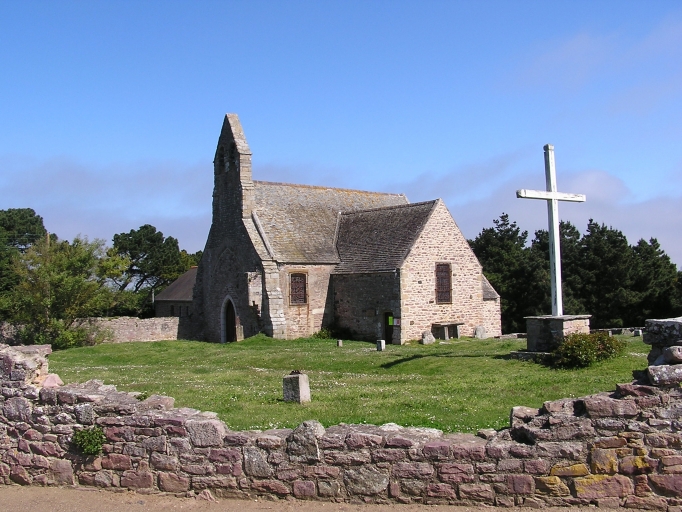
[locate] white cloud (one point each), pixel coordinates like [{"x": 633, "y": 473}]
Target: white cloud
[
  {"x": 74, "y": 198},
  {"x": 609, "y": 201}
]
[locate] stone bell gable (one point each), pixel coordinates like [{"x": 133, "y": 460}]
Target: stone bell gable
[{"x": 288, "y": 260}]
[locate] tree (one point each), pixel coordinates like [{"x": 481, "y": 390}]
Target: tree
[
  {"x": 602, "y": 275},
  {"x": 154, "y": 260},
  {"x": 656, "y": 282},
  {"x": 606, "y": 274},
  {"x": 19, "y": 229},
  {"x": 570, "y": 264},
  {"x": 513, "y": 270},
  {"x": 59, "y": 285}
]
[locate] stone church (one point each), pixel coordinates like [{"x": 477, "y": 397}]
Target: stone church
[{"x": 288, "y": 260}]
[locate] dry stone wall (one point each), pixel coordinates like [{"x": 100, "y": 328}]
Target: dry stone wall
[{"x": 609, "y": 449}]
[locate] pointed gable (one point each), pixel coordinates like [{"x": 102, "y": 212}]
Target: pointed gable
[
  {"x": 378, "y": 240},
  {"x": 299, "y": 221}
]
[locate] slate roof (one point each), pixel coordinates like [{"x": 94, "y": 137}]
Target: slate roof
[
  {"x": 180, "y": 289},
  {"x": 379, "y": 240},
  {"x": 299, "y": 221}
]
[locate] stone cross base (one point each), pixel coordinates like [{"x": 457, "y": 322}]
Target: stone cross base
[
  {"x": 545, "y": 333},
  {"x": 296, "y": 388}
]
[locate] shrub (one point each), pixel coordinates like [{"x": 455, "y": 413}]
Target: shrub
[
  {"x": 323, "y": 334},
  {"x": 57, "y": 334},
  {"x": 580, "y": 350},
  {"x": 89, "y": 441}
]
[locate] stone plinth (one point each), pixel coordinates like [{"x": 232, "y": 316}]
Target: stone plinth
[
  {"x": 545, "y": 333},
  {"x": 661, "y": 334},
  {"x": 296, "y": 387}
]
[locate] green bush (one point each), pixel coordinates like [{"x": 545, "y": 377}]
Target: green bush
[
  {"x": 57, "y": 334},
  {"x": 580, "y": 350},
  {"x": 89, "y": 441},
  {"x": 323, "y": 334}
]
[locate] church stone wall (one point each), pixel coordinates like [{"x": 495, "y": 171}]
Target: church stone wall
[
  {"x": 361, "y": 300},
  {"x": 306, "y": 319},
  {"x": 441, "y": 241}
]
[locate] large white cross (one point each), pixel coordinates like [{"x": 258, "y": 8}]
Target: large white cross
[{"x": 552, "y": 197}]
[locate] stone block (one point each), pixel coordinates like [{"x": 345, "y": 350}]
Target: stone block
[
  {"x": 569, "y": 471},
  {"x": 520, "y": 484},
  {"x": 381, "y": 345},
  {"x": 61, "y": 472},
  {"x": 413, "y": 470},
  {"x": 599, "y": 486},
  {"x": 646, "y": 503},
  {"x": 441, "y": 491},
  {"x": 303, "y": 442},
  {"x": 296, "y": 388},
  {"x": 604, "y": 407},
  {"x": 117, "y": 462},
  {"x": 255, "y": 463},
  {"x": 270, "y": 486},
  {"x": 170, "y": 482},
  {"x": 304, "y": 489},
  {"x": 665, "y": 375},
  {"x": 551, "y": 486},
  {"x": 17, "y": 409},
  {"x": 604, "y": 461},
  {"x": 205, "y": 433},
  {"x": 668, "y": 485},
  {"x": 137, "y": 479},
  {"x": 476, "y": 492},
  {"x": 427, "y": 338}
]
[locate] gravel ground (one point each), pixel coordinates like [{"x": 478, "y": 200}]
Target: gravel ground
[{"x": 31, "y": 499}]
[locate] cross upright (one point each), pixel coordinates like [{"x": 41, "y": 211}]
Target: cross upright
[{"x": 552, "y": 197}]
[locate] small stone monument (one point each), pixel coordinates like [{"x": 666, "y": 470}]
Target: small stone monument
[
  {"x": 381, "y": 345},
  {"x": 339, "y": 343},
  {"x": 479, "y": 332},
  {"x": 296, "y": 387},
  {"x": 546, "y": 332},
  {"x": 428, "y": 338}
]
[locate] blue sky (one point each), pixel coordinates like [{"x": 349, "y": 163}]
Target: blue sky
[{"x": 110, "y": 111}]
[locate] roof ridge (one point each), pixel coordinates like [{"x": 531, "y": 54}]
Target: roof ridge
[
  {"x": 327, "y": 188},
  {"x": 393, "y": 207}
]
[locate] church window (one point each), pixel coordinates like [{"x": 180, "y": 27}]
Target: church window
[
  {"x": 443, "y": 283},
  {"x": 298, "y": 292}
]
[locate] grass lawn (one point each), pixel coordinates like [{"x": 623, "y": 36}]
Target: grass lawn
[{"x": 460, "y": 386}]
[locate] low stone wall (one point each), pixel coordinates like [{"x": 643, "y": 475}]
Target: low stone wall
[
  {"x": 610, "y": 449},
  {"x": 127, "y": 328},
  {"x": 124, "y": 329}
]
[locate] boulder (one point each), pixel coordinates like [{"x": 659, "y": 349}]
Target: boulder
[{"x": 427, "y": 338}]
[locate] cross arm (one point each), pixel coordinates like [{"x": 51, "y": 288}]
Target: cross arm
[{"x": 543, "y": 194}]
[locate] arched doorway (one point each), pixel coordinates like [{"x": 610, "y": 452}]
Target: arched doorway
[{"x": 229, "y": 322}]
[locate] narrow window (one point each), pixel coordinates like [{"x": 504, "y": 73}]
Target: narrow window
[
  {"x": 172, "y": 310},
  {"x": 443, "y": 283},
  {"x": 298, "y": 293}
]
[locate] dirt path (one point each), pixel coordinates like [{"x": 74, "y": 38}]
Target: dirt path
[{"x": 30, "y": 499}]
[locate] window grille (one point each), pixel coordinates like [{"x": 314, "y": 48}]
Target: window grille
[
  {"x": 443, "y": 283},
  {"x": 298, "y": 292}
]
